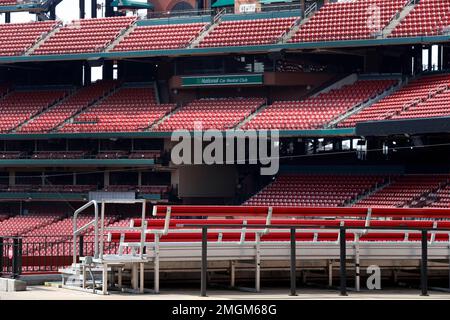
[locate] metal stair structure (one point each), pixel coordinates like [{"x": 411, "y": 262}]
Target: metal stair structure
[
  {"x": 113, "y": 91},
  {"x": 369, "y": 193},
  {"x": 123, "y": 35},
  {"x": 168, "y": 115},
  {"x": 44, "y": 38},
  {"x": 397, "y": 19},
  {"x": 357, "y": 108},
  {"x": 37, "y": 115},
  {"x": 253, "y": 115},
  {"x": 208, "y": 28},
  {"x": 298, "y": 23}
]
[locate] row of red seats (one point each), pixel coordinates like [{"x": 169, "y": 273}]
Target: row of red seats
[
  {"x": 17, "y": 38},
  {"x": 428, "y": 18},
  {"x": 19, "y": 106},
  {"x": 126, "y": 110},
  {"x": 402, "y": 191},
  {"x": 220, "y": 114},
  {"x": 82, "y": 36},
  {"x": 348, "y": 20},
  {"x": 159, "y": 37},
  {"x": 420, "y": 91},
  {"x": 316, "y": 111},
  {"x": 78, "y": 101},
  {"x": 19, "y": 225},
  {"x": 442, "y": 198},
  {"x": 314, "y": 190},
  {"x": 247, "y": 32},
  {"x": 309, "y": 218}
]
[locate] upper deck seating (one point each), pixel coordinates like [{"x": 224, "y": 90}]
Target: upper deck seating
[
  {"x": 20, "y": 106},
  {"x": 314, "y": 112},
  {"x": 416, "y": 99},
  {"x": 403, "y": 191},
  {"x": 348, "y": 20},
  {"x": 314, "y": 190},
  {"x": 84, "y": 36},
  {"x": 17, "y": 38},
  {"x": 73, "y": 104},
  {"x": 126, "y": 110},
  {"x": 160, "y": 37},
  {"x": 247, "y": 32},
  {"x": 220, "y": 114},
  {"x": 428, "y": 18}
]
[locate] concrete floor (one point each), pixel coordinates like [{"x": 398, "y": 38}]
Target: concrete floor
[{"x": 53, "y": 293}]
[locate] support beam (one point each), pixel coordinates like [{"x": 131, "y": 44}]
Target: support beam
[
  {"x": 8, "y": 17},
  {"x": 93, "y": 8},
  {"x": 109, "y": 9},
  {"x": 82, "y": 9}
]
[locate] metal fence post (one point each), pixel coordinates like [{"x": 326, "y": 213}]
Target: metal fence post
[
  {"x": 343, "y": 258},
  {"x": 204, "y": 271},
  {"x": 1, "y": 256},
  {"x": 81, "y": 244},
  {"x": 293, "y": 263},
  {"x": 424, "y": 264},
  {"x": 15, "y": 258}
]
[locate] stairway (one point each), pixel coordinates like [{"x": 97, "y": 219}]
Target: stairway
[
  {"x": 333, "y": 123},
  {"x": 397, "y": 19},
  {"x": 208, "y": 28},
  {"x": 37, "y": 115},
  {"x": 122, "y": 36},
  {"x": 250, "y": 117},
  {"x": 158, "y": 122},
  {"x": 376, "y": 188},
  {"x": 44, "y": 38},
  {"x": 293, "y": 30},
  {"x": 113, "y": 91}
]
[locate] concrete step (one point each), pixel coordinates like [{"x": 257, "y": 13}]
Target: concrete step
[{"x": 397, "y": 19}]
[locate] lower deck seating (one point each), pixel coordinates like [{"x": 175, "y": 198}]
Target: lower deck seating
[
  {"x": 316, "y": 111},
  {"x": 404, "y": 191},
  {"x": 442, "y": 198},
  {"x": 314, "y": 190},
  {"x": 220, "y": 114},
  {"x": 312, "y": 220},
  {"x": 20, "y": 225}
]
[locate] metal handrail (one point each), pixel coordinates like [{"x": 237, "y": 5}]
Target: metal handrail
[
  {"x": 77, "y": 231},
  {"x": 342, "y": 245}
]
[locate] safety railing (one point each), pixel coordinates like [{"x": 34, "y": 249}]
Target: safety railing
[
  {"x": 342, "y": 239},
  {"x": 10, "y": 257},
  {"x": 45, "y": 254}
]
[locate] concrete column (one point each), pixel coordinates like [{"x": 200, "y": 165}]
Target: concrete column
[
  {"x": 93, "y": 8},
  {"x": 7, "y": 17},
  {"x": 12, "y": 178},
  {"x": 106, "y": 178},
  {"x": 82, "y": 9}
]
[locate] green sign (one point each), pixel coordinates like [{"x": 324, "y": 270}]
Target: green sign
[{"x": 230, "y": 80}]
